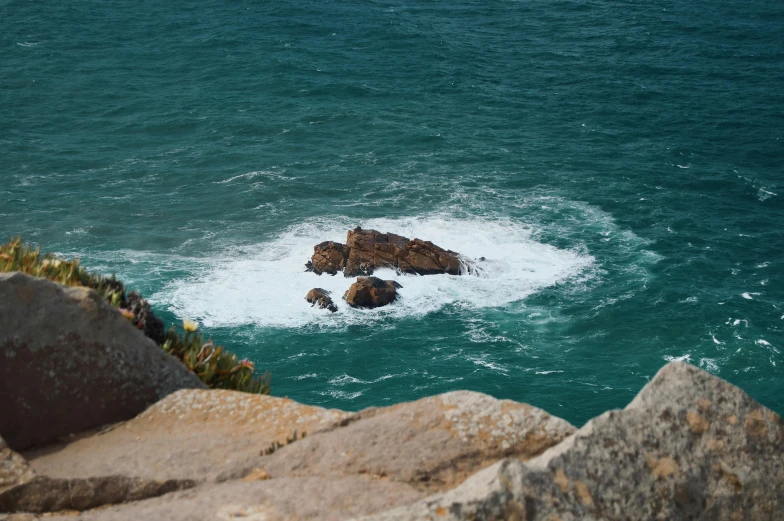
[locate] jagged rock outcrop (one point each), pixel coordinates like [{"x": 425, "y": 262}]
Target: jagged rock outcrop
[
  {"x": 367, "y": 250},
  {"x": 320, "y": 298},
  {"x": 328, "y": 257},
  {"x": 70, "y": 362},
  {"x": 371, "y": 292},
  {"x": 690, "y": 446}
]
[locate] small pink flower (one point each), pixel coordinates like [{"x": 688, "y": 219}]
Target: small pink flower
[{"x": 247, "y": 363}]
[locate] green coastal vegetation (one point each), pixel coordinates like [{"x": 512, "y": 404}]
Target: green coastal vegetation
[{"x": 213, "y": 364}]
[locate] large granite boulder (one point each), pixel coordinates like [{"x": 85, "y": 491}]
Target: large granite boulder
[
  {"x": 689, "y": 447},
  {"x": 367, "y": 250},
  {"x": 432, "y": 444},
  {"x": 371, "y": 292},
  {"x": 320, "y": 298},
  {"x": 208, "y": 435},
  {"x": 70, "y": 362},
  {"x": 254, "y": 461}
]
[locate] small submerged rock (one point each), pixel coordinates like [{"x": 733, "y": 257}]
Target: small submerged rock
[
  {"x": 320, "y": 298},
  {"x": 371, "y": 292}
]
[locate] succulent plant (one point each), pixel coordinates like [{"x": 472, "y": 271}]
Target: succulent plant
[{"x": 215, "y": 366}]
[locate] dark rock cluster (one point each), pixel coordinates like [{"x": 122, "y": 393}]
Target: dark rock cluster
[{"x": 368, "y": 250}]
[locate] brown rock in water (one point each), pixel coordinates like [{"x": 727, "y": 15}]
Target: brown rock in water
[
  {"x": 328, "y": 257},
  {"x": 70, "y": 362},
  {"x": 320, "y": 298},
  {"x": 371, "y": 292},
  {"x": 689, "y": 446},
  {"x": 367, "y": 250}
]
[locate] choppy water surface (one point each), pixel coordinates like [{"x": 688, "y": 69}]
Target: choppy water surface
[{"x": 619, "y": 164}]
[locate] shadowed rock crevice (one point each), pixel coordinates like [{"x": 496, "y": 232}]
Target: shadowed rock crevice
[{"x": 44, "y": 494}]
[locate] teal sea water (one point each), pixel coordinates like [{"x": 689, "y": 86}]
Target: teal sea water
[{"x": 619, "y": 164}]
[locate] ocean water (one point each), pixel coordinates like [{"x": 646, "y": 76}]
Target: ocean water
[{"x": 619, "y": 164}]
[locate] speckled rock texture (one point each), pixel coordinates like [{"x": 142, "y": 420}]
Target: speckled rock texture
[
  {"x": 207, "y": 435},
  {"x": 69, "y": 362},
  {"x": 689, "y": 447},
  {"x": 45, "y": 494},
  {"x": 285, "y": 499},
  {"x": 14, "y": 470},
  {"x": 244, "y": 451},
  {"x": 433, "y": 443}
]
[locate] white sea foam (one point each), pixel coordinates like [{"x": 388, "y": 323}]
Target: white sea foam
[
  {"x": 682, "y": 358},
  {"x": 709, "y": 364},
  {"x": 266, "y": 286}
]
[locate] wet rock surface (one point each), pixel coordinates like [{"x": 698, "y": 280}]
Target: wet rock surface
[
  {"x": 368, "y": 250},
  {"x": 371, "y": 292},
  {"x": 320, "y": 298},
  {"x": 328, "y": 257}
]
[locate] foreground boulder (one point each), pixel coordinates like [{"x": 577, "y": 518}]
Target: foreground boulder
[
  {"x": 368, "y": 250},
  {"x": 208, "y": 435},
  {"x": 254, "y": 466},
  {"x": 431, "y": 444},
  {"x": 70, "y": 362},
  {"x": 371, "y": 292},
  {"x": 320, "y": 298},
  {"x": 690, "y": 446}
]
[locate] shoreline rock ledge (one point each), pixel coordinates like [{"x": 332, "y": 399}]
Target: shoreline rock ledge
[{"x": 368, "y": 250}]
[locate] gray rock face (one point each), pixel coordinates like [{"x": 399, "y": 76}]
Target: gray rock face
[
  {"x": 690, "y": 446},
  {"x": 70, "y": 362}
]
